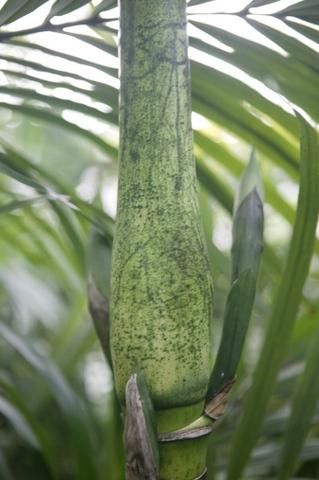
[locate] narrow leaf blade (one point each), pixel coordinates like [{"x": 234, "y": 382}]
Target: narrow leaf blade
[
  {"x": 238, "y": 309},
  {"x": 62, "y": 7},
  {"x": 10, "y": 8}
]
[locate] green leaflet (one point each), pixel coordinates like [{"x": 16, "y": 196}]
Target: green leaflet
[
  {"x": 72, "y": 58},
  {"x": 293, "y": 46},
  {"x": 249, "y": 61},
  {"x": 50, "y": 117},
  {"x": 10, "y": 10},
  {"x": 305, "y": 30},
  {"x": 105, "y": 5},
  {"x": 19, "y": 176},
  {"x": 16, "y": 165},
  {"x": 214, "y": 101},
  {"x": 259, "y": 3},
  {"x": 96, "y": 93},
  {"x": 17, "y": 205},
  {"x": 62, "y": 7},
  {"x": 306, "y": 8},
  {"x": 58, "y": 103},
  {"x": 108, "y": 47},
  {"x": 57, "y": 203},
  {"x": 247, "y": 57},
  {"x": 38, "y": 67},
  {"x": 196, "y": 2},
  {"x": 35, "y": 248},
  {"x": 15, "y": 9},
  {"x": 285, "y": 305}
]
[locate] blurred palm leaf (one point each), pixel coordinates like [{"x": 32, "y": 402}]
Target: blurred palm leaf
[{"x": 59, "y": 108}]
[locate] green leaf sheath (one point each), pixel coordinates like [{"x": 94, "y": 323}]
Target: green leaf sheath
[
  {"x": 161, "y": 286},
  {"x": 140, "y": 435}
]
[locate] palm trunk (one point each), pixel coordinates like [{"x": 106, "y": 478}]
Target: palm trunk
[{"x": 161, "y": 287}]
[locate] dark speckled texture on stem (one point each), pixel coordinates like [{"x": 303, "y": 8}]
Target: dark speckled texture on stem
[{"x": 161, "y": 303}]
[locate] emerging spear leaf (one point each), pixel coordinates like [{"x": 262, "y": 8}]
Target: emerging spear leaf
[
  {"x": 246, "y": 254},
  {"x": 250, "y": 180},
  {"x": 247, "y": 236}
]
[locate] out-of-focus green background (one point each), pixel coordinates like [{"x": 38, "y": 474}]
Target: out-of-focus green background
[{"x": 252, "y": 62}]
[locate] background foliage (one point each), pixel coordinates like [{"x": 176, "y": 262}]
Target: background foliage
[{"x": 252, "y": 64}]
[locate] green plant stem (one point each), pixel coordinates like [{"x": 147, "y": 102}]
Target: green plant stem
[{"x": 161, "y": 301}]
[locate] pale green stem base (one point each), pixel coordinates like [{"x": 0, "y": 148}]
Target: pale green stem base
[{"x": 185, "y": 459}]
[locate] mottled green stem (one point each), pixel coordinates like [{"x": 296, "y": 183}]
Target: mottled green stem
[{"x": 161, "y": 287}]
